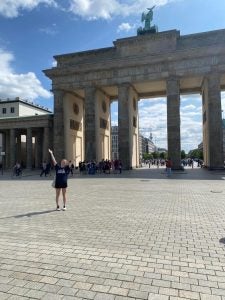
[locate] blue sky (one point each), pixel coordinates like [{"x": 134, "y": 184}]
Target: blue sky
[{"x": 33, "y": 31}]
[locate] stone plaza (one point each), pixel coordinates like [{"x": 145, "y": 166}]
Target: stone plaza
[{"x": 138, "y": 235}]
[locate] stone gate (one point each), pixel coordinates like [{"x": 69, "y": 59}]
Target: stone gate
[{"x": 152, "y": 65}]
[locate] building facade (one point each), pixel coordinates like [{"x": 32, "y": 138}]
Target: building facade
[
  {"x": 115, "y": 148},
  {"x": 25, "y": 133}
]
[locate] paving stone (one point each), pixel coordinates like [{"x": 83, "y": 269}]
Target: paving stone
[
  {"x": 118, "y": 291},
  {"x": 68, "y": 291},
  {"x": 157, "y": 297},
  {"x": 50, "y": 296},
  {"x": 35, "y": 294},
  {"x": 210, "y": 297},
  {"x": 102, "y": 296}
]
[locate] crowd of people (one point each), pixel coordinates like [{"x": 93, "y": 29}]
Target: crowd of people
[{"x": 104, "y": 166}]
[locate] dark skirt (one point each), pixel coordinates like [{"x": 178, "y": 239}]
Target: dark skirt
[{"x": 61, "y": 185}]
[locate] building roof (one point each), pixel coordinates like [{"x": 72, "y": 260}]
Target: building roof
[{"x": 26, "y": 102}]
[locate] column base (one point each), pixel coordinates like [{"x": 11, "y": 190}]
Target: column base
[
  {"x": 178, "y": 168},
  {"x": 215, "y": 168}
]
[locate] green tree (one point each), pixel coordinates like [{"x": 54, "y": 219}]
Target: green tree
[
  {"x": 195, "y": 153},
  {"x": 183, "y": 154},
  {"x": 146, "y": 156},
  {"x": 155, "y": 154},
  {"x": 162, "y": 155}
]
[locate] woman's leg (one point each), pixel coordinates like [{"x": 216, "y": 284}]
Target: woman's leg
[
  {"x": 64, "y": 197},
  {"x": 57, "y": 191}
]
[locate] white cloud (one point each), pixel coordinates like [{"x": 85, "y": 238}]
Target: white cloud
[
  {"x": 18, "y": 85},
  {"x": 87, "y": 9},
  {"x": 125, "y": 27},
  {"x": 94, "y": 9},
  {"x": 11, "y": 8},
  {"x": 193, "y": 97},
  {"x": 188, "y": 107},
  {"x": 50, "y": 30}
]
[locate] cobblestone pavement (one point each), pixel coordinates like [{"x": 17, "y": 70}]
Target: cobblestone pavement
[{"x": 138, "y": 235}]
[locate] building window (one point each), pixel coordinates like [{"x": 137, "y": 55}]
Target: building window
[
  {"x": 134, "y": 122},
  {"x": 74, "y": 125},
  {"x": 12, "y": 109},
  {"x": 4, "y": 110}
]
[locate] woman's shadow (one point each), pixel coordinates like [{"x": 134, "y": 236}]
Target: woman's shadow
[{"x": 31, "y": 214}]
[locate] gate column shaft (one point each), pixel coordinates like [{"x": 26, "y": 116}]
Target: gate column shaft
[
  {"x": 46, "y": 144},
  {"x": 12, "y": 147},
  {"x": 29, "y": 147},
  {"x": 58, "y": 131},
  {"x": 124, "y": 126},
  {"x": 212, "y": 122},
  {"x": 90, "y": 124},
  {"x": 173, "y": 122}
]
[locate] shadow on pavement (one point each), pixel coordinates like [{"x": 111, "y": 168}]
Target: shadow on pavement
[{"x": 31, "y": 214}]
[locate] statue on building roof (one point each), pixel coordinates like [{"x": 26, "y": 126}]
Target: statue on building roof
[{"x": 147, "y": 18}]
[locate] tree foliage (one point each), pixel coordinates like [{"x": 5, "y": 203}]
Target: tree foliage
[
  {"x": 195, "y": 153},
  {"x": 183, "y": 154}
]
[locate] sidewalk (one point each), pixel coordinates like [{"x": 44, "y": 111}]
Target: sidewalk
[{"x": 139, "y": 235}]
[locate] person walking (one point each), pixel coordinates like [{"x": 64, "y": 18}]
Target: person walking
[
  {"x": 168, "y": 167},
  {"x": 44, "y": 169},
  {"x": 61, "y": 175}
]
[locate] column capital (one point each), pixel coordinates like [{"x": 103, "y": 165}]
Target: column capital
[
  {"x": 90, "y": 89},
  {"x": 214, "y": 73},
  {"x": 173, "y": 78},
  {"x": 57, "y": 90},
  {"x": 173, "y": 85}
]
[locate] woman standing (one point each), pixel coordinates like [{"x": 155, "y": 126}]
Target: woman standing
[{"x": 61, "y": 174}]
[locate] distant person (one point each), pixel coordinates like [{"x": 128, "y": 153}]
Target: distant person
[
  {"x": 61, "y": 174},
  {"x": 44, "y": 169},
  {"x": 168, "y": 167},
  {"x": 17, "y": 170},
  {"x": 71, "y": 167},
  {"x": 120, "y": 166}
]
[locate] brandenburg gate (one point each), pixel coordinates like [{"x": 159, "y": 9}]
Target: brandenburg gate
[{"x": 143, "y": 66}]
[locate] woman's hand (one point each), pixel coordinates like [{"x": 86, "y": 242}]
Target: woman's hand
[{"x": 50, "y": 151}]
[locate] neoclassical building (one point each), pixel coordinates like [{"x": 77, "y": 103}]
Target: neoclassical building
[
  {"x": 25, "y": 133},
  {"x": 152, "y": 65}
]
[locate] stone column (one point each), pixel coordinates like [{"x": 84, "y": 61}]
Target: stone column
[
  {"x": 18, "y": 138},
  {"x": 124, "y": 126},
  {"x": 4, "y": 150},
  {"x": 29, "y": 148},
  {"x": 173, "y": 122},
  {"x": 7, "y": 149},
  {"x": 58, "y": 130},
  {"x": 212, "y": 122},
  {"x": 38, "y": 148},
  {"x": 90, "y": 124},
  {"x": 12, "y": 147},
  {"x": 45, "y": 156}
]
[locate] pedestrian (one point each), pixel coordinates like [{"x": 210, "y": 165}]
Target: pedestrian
[
  {"x": 44, "y": 169},
  {"x": 61, "y": 174},
  {"x": 120, "y": 166},
  {"x": 168, "y": 167}
]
